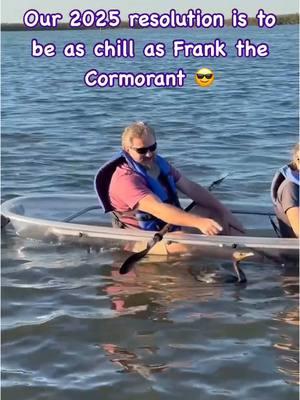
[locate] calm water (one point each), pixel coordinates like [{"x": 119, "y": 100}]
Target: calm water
[{"x": 72, "y": 328}]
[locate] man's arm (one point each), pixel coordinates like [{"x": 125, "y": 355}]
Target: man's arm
[
  {"x": 293, "y": 217},
  {"x": 175, "y": 216},
  {"x": 290, "y": 205}
]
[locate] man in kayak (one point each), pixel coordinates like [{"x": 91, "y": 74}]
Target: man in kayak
[
  {"x": 285, "y": 196},
  {"x": 140, "y": 188}
]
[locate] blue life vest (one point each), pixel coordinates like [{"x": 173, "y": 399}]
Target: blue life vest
[
  {"x": 283, "y": 173},
  {"x": 164, "y": 187}
]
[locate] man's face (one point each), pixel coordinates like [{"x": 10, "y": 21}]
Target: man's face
[{"x": 142, "y": 150}]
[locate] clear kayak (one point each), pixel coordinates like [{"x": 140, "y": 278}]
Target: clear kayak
[{"x": 78, "y": 218}]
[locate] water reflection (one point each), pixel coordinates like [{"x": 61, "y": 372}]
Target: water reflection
[
  {"x": 154, "y": 289},
  {"x": 288, "y": 347},
  {"x": 161, "y": 291},
  {"x": 132, "y": 362},
  {"x": 172, "y": 292}
]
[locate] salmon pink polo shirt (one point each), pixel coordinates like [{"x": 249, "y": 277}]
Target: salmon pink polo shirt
[{"x": 127, "y": 188}]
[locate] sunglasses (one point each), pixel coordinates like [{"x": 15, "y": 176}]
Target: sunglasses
[
  {"x": 207, "y": 76},
  {"x": 144, "y": 150}
]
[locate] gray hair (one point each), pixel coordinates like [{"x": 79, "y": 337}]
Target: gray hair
[{"x": 136, "y": 130}]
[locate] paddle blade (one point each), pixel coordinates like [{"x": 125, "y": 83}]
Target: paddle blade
[
  {"x": 217, "y": 182},
  {"x": 131, "y": 260}
]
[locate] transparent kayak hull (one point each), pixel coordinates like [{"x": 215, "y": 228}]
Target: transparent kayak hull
[{"x": 44, "y": 217}]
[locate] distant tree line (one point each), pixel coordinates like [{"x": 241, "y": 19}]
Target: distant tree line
[{"x": 287, "y": 19}]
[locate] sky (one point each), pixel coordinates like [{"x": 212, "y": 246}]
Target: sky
[{"x": 13, "y": 10}]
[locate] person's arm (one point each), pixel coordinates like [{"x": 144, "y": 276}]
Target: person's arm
[
  {"x": 290, "y": 204},
  {"x": 175, "y": 216},
  {"x": 205, "y": 199},
  {"x": 293, "y": 217}
]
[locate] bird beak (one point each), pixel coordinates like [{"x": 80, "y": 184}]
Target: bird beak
[{"x": 241, "y": 255}]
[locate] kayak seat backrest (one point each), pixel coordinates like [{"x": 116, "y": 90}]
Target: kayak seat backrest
[
  {"x": 277, "y": 181},
  {"x": 102, "y": 182}
]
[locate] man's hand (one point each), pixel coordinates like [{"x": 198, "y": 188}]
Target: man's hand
[{"x": 209, "y": 226}]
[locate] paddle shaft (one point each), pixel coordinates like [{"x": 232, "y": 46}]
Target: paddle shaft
[
  {"x": 159, "y": 235},
  {"x": 131, "y": 260}
]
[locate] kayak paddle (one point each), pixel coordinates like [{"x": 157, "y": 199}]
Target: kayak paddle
[{"x": 132, "y": 259}]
